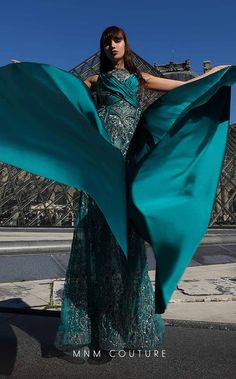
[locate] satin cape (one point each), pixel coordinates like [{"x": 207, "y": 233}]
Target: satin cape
[{"x": 50, "y": 127}]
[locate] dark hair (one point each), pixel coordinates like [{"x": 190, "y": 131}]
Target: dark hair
[{"x": 105, "y": 63}]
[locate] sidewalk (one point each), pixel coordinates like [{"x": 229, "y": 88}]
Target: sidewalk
[{"x": 205, "y": 293}]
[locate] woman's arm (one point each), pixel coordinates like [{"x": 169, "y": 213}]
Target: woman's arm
[
  {"x": 160, "y": 84},
  {"x": 163, "y": 84},
  {"x": 211, "y": 71},
  {"x": 15, "y": 61}
]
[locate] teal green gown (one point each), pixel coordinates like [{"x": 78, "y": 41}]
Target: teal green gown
[
  {"x": 108, "y": 302},
  {"x": 152, "y": 178}
]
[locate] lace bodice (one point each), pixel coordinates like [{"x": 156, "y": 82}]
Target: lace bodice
[{"x": 115, "y": 109}]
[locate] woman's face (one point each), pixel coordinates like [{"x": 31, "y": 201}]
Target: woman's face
[{"x": 114, "y": 48}]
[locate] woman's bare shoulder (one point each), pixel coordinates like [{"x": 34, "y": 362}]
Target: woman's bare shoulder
[
  {"x": 91, "y": 80},
  {"x": 145, "y": 75}
]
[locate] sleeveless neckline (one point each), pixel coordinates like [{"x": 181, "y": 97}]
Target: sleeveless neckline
[
  {"x": 118, "y": 70},
  {"x": 118, "y": 73}
]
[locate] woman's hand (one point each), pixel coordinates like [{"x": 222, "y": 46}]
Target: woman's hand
[
  {"x": 217, "y": 68},
  {"x": 15, "y": 61},
  {"x": 223, "y": 66},
  {"x": 209, "y": 72}
]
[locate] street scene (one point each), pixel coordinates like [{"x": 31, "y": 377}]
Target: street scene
[{"x": 200, "y": 320}]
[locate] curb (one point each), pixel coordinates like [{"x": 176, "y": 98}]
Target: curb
[
  {"x": 168, "y": 322},
  {"x": 201, "y": 324}
]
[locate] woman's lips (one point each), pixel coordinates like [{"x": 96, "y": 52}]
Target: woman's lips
[{"x": 114, "y": 52}]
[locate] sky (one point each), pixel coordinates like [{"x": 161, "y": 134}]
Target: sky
[{"x": 64, "y": 33}]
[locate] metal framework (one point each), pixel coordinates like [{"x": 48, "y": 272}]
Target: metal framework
[{"x": 30, "y": 200}]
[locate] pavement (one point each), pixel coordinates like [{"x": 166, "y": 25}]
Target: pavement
[
  {"x": 200, "y": 318},
  {"x": 33, "y": 264},
  {"x": 205, "y": 293}
]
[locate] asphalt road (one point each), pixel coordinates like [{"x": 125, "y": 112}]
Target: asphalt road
[
  {"x": 187, "y": 352},
  {"x": 53, "y": 265}
]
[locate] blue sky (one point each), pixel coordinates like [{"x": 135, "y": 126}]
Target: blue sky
[{"x": 64, "y": 33}]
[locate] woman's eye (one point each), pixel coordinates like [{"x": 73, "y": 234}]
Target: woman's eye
[{"x": 107, "y": 43}]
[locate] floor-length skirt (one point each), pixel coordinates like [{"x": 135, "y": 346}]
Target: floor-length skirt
[{"x": 107, "y": 301}]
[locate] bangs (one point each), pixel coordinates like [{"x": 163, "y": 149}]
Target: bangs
[{"x": 111, "y": 34}]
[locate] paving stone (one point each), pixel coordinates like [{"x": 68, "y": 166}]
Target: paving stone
[
  {"x": 220, "y": 258},
  {"x": 206, "y": 287},
  {"x": 25, "y": 294},
  {"x": 202, "y": 311},
  {"x": 58, "y": 286}
]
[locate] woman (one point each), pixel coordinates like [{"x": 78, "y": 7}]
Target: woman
[{"x": 108, "y": 301}]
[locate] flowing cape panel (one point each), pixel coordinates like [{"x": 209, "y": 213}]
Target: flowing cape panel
[
  {"x": 49, "y": 126},
  {"x": 174, "y": 179}
]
